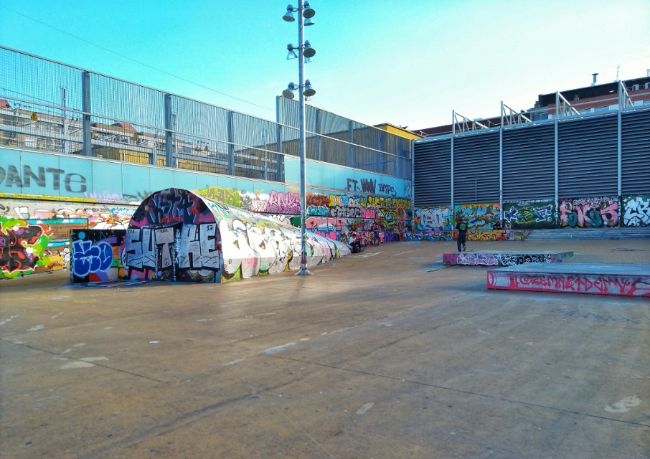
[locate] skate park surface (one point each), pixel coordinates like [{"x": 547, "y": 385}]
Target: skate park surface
[{"x": 382, "y": 354}]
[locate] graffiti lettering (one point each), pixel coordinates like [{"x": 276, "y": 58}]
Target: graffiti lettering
[
  {"x": 287, "y": 203},
  {"x": 317, "y": 200},
  {"x": 388, "y": 189},
  {"x": 197, "y": 248},
  {"x": 571, "y": 283},
  {"x": 530, "y": 214},
  {"x": 21, "y": 247},
  {"x": 13, "y": 178},
  {"x": 322, "y": 211},
  {"x": 90, "y": 258},
  {"x": 345, "y": 212},
  {"x": 368, "y": 185},
  {"x": 352, "y": 185},
  {"x": 479, "y": 216},
  {"x": 636, "y": 210},
  {"x": 433, "y": 218},
  {"x": 226, "y": 195},
  {"x": 588, "y": 212}
]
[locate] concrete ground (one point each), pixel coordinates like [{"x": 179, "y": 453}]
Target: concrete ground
[{"x": 383, "y": 354}]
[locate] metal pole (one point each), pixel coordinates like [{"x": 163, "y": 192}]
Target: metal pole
[
  {"x": 501, "y": 167},
  {"x": 231, "y": 145},
  {"x": 557, "y": 175},
  {"x": 453, "y": 134},
  {"x": 303, "y": 166},
  {"x": 64, "y": 119},
  {"x": 169, "y": 138},
  {"x": 85, "y": 107},
  {"x": 621, "y": 104},
  {"x": 279, "y": 117}
]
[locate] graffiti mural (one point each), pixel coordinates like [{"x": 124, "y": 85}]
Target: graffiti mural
[
  {"x": 502, "y": 259},
  {"x": 638, "y": 286},
  {"x": 23, "y": 247},
  {"x": 181, "y": 236},
  {"x": 329, "y": 215},
  {"x": 588, "y": 212},
  {"x": 636, "y": 210},
  {"x": 275, "y": 202},
  {"x": 494, "y": 235},
  {"x": 480, "y": 217},
  {"x": 96, "y": 255},
  {"x": 98, "y": 216},
  {"x": 432, "y": 219},
  {"x": 536, "y": 214},
  {"x": 472, "y": 235},
  {"x": 180, "y": 253}
]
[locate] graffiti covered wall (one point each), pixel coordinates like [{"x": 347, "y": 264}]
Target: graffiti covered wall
[
  {"x": 436, "y": 218},
  {"x": 98, "y": 216},
  {"x": 96, "y": 255},
  {"x": 480, "y": 217},
  {"x": 537, "y": 214},
  {"x": 23, "y": 247},
  {"x": 588, "y": 212},
  {"x": 636, "y": 210},
  {"x": 331, "y": 215}
]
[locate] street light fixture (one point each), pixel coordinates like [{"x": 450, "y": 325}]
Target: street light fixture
[{"x": 305, "y": 54}]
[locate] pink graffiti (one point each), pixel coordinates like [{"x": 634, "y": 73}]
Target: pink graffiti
[
  {"x": 322, "y": 223},
  {"x": 286, "y": 203},
  {"x": 570, "y": 283},
  {"x": 589, "y": 212}
]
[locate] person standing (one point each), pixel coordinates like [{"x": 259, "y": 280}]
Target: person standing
[{"x": 461, "y": 226}]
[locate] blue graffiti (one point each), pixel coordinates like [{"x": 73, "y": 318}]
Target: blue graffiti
[
  {"x": 88, "y": 258},
  {"x": 597, "y": 316}
]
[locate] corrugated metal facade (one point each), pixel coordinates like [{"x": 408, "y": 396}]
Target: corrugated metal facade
[
  {"x": 433, "y": 173},
  {"x": 529, "y": 162},
  {"x": 635, "y": 170},
  {"x": 476, "y": 168},
  {"x": 588, "y": 157},
  {"x": 587, "y": 150}
]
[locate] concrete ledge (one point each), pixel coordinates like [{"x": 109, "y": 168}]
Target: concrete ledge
[
  {"x": 596, "y": 279},
  {"x": 499, "y": 258}
]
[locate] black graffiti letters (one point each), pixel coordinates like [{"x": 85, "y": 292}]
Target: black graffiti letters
[
  {"x": 75, "y": 179},
  {"x": 74, "y": 183}
]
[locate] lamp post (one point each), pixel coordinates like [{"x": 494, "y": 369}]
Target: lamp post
[{"x": 305, "y": 53}]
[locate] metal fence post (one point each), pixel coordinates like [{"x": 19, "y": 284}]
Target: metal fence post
[
  {"x": 453, "y": 134},
  {"x": 557, "y": 154},
  {"x": 352, "y": 160},
  {"x": 317, "y": 136},
  {"x": 85, "y": 107},
  {"x": 231, "y": 146},
  {"x": 501, "y": 167},
  {"x": 169, "y": 136},
  {"x": 279, "y": 118}
]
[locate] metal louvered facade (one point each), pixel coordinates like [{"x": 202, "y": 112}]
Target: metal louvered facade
[
  {"x": 529, "y": 162},
  {"x": 476, "y": 168},
  {"x": 635, "y": 153},
  {"x": 433, "y": 173},
  {"x": 588, "y": 157},
  {"x": 520, "y": 161}
]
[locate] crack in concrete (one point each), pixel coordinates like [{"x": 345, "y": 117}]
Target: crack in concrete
[{"x": 478, "y": 394}]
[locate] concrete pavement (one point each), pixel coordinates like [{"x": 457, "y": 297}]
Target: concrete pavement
[{"x": 383, "y": 354}]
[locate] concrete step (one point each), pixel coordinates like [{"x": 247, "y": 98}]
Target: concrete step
[{"x": 589, "y": 233}]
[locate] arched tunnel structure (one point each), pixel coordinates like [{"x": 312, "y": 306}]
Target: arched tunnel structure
[{"x": 178, "y": 235}]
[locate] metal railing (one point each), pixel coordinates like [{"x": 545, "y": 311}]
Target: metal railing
[{"x": 51, "y": 106}]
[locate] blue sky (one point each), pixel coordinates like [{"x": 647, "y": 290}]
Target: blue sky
[{"x": 409, "y": 63}]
